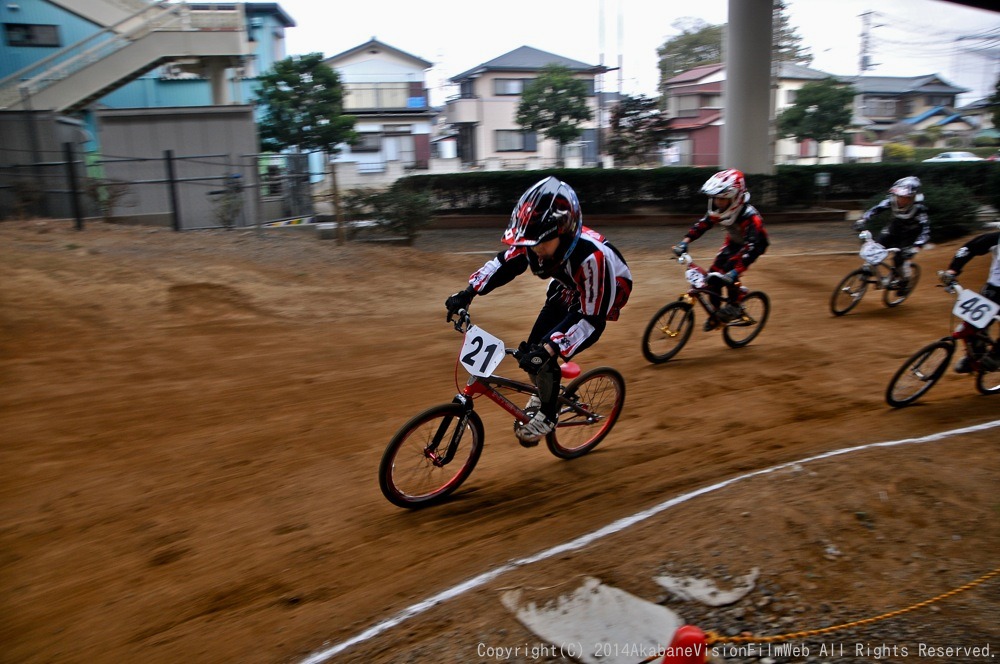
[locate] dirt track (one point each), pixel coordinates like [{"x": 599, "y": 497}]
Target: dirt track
[{"x": 191, "y": 426}]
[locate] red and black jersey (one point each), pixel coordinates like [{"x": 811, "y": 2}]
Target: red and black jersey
[
  {"x": 746, "y": 237},
  {"x": 592, "y": 281}
]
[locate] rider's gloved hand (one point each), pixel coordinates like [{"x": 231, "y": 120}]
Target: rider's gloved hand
[
  {"x": 460, "y": 300},
  {"x": 860, "y": 224},
  {"x": 948, "y": 278},
  {"x": 534, "y": 358},
  {"x": 910, "y": 252},
  {"x": 680, "y": 248},
  {"x": 733, "y": 276}
]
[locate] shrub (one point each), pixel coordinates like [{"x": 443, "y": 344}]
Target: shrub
[
  {"x": 952, "y": 211},
  {"x": 897, "y": 152}
]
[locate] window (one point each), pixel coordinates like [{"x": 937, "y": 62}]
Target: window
[
  {"x": 688, "y": 105},
  {"x": 397, "y": 129},
  {"x": 790, "y": 96},
  {"x": 375, "y": 95},
  {"x": 509, "y": 86},
  {"x": 26, "y": 34},
  {"x": 514, "y": 140},
  {"x": 368, "y": 142},
  {"x": 876, "y": 107}
]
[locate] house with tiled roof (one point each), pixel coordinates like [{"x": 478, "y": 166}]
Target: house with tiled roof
[
  {"x": 385, "y": 90},
  {"x": 696, "y": 110},
  {"x": 483, "y": 114},
  {"x": 885, "y": 101}
]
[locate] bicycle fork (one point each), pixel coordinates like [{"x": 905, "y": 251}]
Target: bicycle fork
[{"x": 431, "y": 450}]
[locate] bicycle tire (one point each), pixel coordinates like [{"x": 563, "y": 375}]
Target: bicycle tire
[
  {"x": 988, "y": 382},
  {"x": 919, "y": 373},
  {"x": 669, "y": 329},
  {"x": 893, "y": 297},
  {"x": 849, "y": 292},
  {"x": 601, "y": 393},
  {"x": 756, "y": 309},
  {"x": 407, "y": 475}
]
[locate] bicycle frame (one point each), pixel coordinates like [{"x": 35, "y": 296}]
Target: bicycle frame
[
  {"x": 882, "y": 271},
  {"x": 704, "y": 295}
]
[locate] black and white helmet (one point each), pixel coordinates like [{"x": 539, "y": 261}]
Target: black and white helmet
[{"x": 904, "y": 194}]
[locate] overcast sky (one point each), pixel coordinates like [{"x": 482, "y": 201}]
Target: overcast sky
[{"x": 912, "y": 37}]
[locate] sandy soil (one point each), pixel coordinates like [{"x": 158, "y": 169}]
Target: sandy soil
[{"x": 191, "y": 426}]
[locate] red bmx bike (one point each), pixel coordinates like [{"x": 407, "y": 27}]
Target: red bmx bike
[
  {"x": 436, "y": 451},
  {"x": 922, "y": 370}
]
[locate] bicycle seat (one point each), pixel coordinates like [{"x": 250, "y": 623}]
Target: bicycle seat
[{"x": 570, "y": 369}]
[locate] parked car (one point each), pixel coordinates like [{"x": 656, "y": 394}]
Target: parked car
[{"x": 955, "y": 156}]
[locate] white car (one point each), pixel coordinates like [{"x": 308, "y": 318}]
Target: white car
[{"x": 955, "y": 156}]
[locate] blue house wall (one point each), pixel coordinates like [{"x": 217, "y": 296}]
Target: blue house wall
[{"x": 151, "y": 90}]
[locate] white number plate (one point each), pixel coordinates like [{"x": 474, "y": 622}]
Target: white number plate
[
  {"x": 695, "y": 277},
  {"x": 975, "y": 309},
  {"x": 873, "y": 252},
  {"x": 481, "y": 352}
]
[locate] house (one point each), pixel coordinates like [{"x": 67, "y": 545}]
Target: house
[
  {"x": 980, "y": 114},
  {"x": 883, "y": 105},
  {"x": 134, "y": 79},
  {"x": 886, "y": 101},
  {"x": 484, "y": 111},
  {"x": 386, "y": 90},
  {"x": 694, "y": 108},
  {"x": 696, "y": 115}
]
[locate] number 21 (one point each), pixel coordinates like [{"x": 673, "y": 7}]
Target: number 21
[{"x": 470, "y": 357}]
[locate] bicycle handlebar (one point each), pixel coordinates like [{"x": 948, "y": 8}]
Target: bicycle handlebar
[{"x": 463, "y": 321}]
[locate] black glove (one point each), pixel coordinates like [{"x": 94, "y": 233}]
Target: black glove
[
  {"x": 680, "y": 248},
  {"x": 534, "y": 358},
  {"x": 460, "y": 300},
  {"x": 860, "y": 224},
  {"x": 947, "y": 278}
]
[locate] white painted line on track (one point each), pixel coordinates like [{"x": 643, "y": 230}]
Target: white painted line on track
[{"x": 610, "y": 529}]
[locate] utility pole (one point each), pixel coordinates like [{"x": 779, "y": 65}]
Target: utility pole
[{"x": 864, "y": 59}]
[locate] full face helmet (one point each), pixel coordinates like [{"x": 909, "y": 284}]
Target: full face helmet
[
  {"x": 548, "y": 209},
  {"x": 904, "y": 194},
  {"x": 727, "y": 193}
]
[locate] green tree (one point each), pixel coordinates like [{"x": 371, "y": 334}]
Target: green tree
[
  {"x": 822, "y": 111},
  {"x": 787, "y": 44},
  {"x": 555, "y": 104},
  {"x": 301, "y": 104},
  {"x": 701, "y": 44},
  {"x": 301, "y": 101},
  {"x": 637, "y": 129},
  {"x": 698, "y": 44}
]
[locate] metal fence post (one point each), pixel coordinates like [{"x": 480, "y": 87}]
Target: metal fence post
[
  {"x": 74, "y": 191},
  {"x": 168, "y": 156}
]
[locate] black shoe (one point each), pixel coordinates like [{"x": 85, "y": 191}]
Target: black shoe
[
  {"x": 729, "y": 312},
  {"x": 710, "y": 324},
  {"x": 963, "y": 366}
]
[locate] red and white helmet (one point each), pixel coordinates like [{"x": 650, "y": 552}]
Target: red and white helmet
[{"x": 731, "y": 186}]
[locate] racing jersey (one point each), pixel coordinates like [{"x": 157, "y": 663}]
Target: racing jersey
[
  {"x": 746, "y": 237},
  {"x": 592, "y": 283},
  {"x": 980, "y": 246},
  {"x": 915, "y": 230}
]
